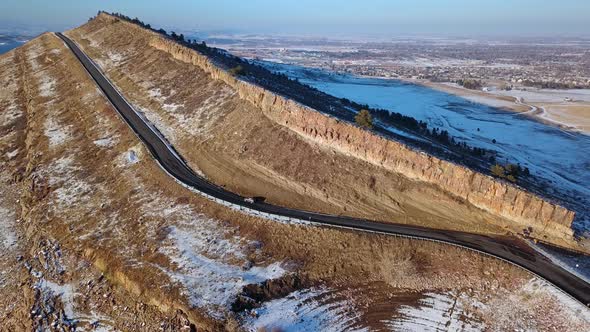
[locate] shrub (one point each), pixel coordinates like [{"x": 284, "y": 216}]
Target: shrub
[
  {"x": 470, "y": 84},
  {"x": 510, "y": 172},
  {"x": 237, "y": 71},
  {"x": 499, "y": 171},
  {"x": 364, "y": 119},
  {"x": 512, "y": 169}
]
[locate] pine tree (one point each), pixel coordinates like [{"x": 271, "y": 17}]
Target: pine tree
[{"x": 364, "y": 119}]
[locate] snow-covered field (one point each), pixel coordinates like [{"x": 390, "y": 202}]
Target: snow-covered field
[
  {"x": 532, "y": 95},
  {"x": 561, "y": 158}
]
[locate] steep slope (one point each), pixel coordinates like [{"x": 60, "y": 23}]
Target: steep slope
[
  {"x": 259, "y": 144},
  {"x": 95, "y": 235}
]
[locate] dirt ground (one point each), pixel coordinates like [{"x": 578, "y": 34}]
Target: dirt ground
[
  {"x": 574, "y": 114},
  {"x": 97, "y": 237}
]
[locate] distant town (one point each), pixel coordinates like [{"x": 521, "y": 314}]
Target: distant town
[{"x": 540, "y": 63}]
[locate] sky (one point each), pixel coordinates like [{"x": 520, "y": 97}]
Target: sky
[{"x": 320, "y": 17}]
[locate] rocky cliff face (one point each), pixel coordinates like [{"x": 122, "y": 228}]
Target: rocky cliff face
[{"x": 482, "y": 191}]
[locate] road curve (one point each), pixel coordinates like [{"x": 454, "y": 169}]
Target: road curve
[{"x": 506, "y": 248}]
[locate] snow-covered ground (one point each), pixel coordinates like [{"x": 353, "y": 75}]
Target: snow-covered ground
[
  {"x": 212, "y": 281},
  {"x": 67, "y": 294},
  {"x": 561, "y": 158},
  {"x": 9, "y": 115},
  {"x": 437, "y": 312},
  {"x": 194, "y": 122},
  {"x": 69, "y": 190},
  {"x": 106, "y": 142},
  {"x": 305, "y": 310},
  {"x": 7, "y": 235},
  {"x": 114, "y": 59},
  {"x": 210, "y": 263},
  {"x": 533, "y": 95},
  {"x": 56, "y": 133}
]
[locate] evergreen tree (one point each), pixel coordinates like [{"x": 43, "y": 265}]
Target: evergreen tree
[{"x": 364, "y": 119}]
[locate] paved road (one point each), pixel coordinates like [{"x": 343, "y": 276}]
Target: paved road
[{"x": 509, "y": 249}]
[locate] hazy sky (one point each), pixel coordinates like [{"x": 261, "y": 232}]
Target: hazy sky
[{"x": 322, "y": 17}]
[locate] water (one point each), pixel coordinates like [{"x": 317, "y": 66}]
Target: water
[
  {"x": 8, "y": 45},
  {"x": 559, "y": 157}
]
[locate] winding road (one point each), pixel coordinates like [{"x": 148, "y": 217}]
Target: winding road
[{"x": 509, "y": 249}]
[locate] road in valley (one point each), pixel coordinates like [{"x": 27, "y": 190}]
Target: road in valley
[{"x": 509, "y": 249}]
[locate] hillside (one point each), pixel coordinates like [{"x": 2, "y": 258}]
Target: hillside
[
  {"x": 96, "y": 236},
  {"x": 238, "y": 137}
]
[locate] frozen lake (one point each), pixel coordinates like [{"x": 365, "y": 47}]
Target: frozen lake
[{"x": 559, "y": 157}]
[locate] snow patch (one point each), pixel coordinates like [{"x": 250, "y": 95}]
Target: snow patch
[
  {"x": 112, "y": 59},
  {"x": 436, "y": 312},
  {"x": 46, "y": 86},
  {"x": 131, "y": 157},
  {"x": 8, "y": 237},
  {"x": 32, "y": 54},
  {"x": 10, "y": 114},
  {"x": 155, "y": 93},
  {"x": 572, "y": 308},
  {"x": 70, "y": 190},
  {"x": 56, "y": 133},
  {"x": 209, "y": 262},
  {"x": 65, "y": 293},
  {"x": 12, "y": 154},
  {"x": 212, "y": 283},
  {"x": 305, "y": 310},
  {"x": 158, "y": 122},
  {"x": 93, "y": 42},
  {"x": 105, "y": 142},
  {"x": 533, "y": 303},
  {"x": 172, "y": 107},
  {"x": 115, "y": 57},
  {"x": 60, "y": 170}
]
